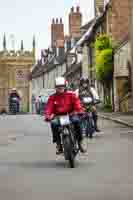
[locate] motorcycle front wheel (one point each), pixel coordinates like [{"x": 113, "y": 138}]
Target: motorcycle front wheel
[{"x": 68, "y": 151}]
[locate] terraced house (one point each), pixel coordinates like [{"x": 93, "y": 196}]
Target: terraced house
[
  {"x": 55, "y": 61},
  {"x": 111, "y": 18}
]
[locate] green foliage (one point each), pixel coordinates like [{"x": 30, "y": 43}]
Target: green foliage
[
  {"x": 104, "y": 65},
  {"x": 108, "y": 108},
  {"x": 92, "y": 45},
  {"x": 103, "y": 42},
  {"x": 107, "y": 105}
]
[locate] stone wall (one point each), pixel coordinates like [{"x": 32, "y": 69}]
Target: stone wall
[
  {"x": 47, "y": 80},
  {"x": 85, "y": 61},
  {"x": 131, "y": 55},
  {"x": 121, "y": 73},
  {"x": 14, "y": 73}
]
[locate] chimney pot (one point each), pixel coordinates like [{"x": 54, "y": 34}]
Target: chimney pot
[
  {"x": 78, "y": 9},
  {"x": 56, "y": 20},
  {"x": 72, "y": 9},
  {"x": 53, "y": 21},
  {"x": 60, "y": 20}
]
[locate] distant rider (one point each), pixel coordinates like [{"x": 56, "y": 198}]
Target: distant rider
[{"x": 87, "y": 90}]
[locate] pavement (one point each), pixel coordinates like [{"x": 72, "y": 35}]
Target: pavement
[
  {"x": 121, "y": 118},
  {"x": 30, "y": 170}
]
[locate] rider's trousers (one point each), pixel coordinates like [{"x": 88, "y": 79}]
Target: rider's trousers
[
  {"x": 56, "y": 134},
  {"x": 95, "y": 119}
]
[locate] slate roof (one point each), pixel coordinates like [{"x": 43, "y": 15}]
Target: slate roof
[{"x": 87, "y": 25}]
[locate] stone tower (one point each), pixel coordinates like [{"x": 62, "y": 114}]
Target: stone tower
[
  {"x": 57, "y": 33},
  {"x": 15, "y": 68},
  {"x": 75, "y": 22}
]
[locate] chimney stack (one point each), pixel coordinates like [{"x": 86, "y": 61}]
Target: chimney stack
[
  {"x": 75, "y": 22},
  {"x": 57, "y": 33}
]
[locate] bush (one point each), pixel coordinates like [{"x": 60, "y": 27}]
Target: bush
[
  {"x": 103, "y": 42},
  {"x": 104, "y": 65}
]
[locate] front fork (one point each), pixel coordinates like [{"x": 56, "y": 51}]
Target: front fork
[{"x": 70, "y": 132}]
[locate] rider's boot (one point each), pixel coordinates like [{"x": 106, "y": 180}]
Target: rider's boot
[
  {"x": 81, "y": 147},
  {"x": 95, "y": 119},
  {"x": 59, "y": 149},
  {"x": 79, "y": 138}
]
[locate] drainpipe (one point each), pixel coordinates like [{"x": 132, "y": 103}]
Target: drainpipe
[{"x": 113, "y": 104}]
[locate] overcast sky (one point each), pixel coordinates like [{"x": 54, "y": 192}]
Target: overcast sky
[{"x": 20, "y": 19}]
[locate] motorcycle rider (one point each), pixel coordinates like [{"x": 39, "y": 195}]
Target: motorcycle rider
[
  {"x": 87, "y": 90},
  {"x": 14, "y": 94},
  {"x": 61, "y": 103}
]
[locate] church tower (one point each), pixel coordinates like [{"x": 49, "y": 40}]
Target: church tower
[{"x": 15, "y": 69}]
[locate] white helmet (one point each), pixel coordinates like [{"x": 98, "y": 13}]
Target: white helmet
[
  {"x": 60, "y": 81},
  {"x": 14, "y": 89}
]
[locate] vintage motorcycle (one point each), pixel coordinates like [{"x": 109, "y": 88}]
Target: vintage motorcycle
[
  {"x": 14, "y": 105},
  {"x": 87, "y": 123},
  {"x": 68, "y": 138}
]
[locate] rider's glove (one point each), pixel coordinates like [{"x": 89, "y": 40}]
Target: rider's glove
[
  {"x": 46, "y": 119},
  {"x": 49, "y": 118}
]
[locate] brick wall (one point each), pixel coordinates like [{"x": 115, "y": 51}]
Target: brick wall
[{"x": 120, "y": 19}]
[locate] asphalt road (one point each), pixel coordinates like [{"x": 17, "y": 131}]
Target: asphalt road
[{"x": 30, "y": 170}]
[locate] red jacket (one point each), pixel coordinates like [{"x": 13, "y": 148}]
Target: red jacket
[{"x": 62, "y": 104}]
